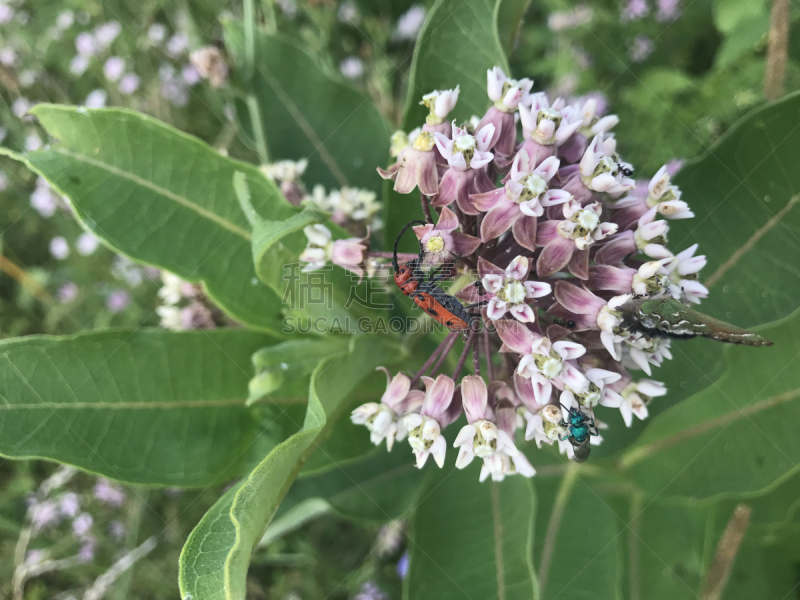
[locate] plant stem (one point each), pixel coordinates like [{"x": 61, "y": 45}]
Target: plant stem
[
  {"x": 426, "y": 209},
  {"x": 487, "y": 351},
  {"x": 464, "y": 353},
  {"x": 258, "y": 129},
  {"x": 444, "y": 354},
  {"x": 134, "y": 520},
  {"x": 440, "y": 348},
  {"x": 476, "y": 358},
  {"x": 777, "y": 51}
]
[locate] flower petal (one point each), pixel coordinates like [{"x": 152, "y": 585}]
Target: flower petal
[
  {"x": 498, "y": 220},
  {"x": 524, "y": 230},
  {"x": 516, "y": 336},
  {"x": 555, "y": 256},
  {"x": 475, "y": 397}
]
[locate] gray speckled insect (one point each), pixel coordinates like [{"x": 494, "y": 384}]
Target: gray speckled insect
[{"x": 663, "y": 315}]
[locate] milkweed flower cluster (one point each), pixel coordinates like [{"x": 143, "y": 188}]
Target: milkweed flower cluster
[{"x": 535, "y": 213}]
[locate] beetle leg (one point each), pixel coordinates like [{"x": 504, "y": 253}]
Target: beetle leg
[{"x": 477, "y": 304}]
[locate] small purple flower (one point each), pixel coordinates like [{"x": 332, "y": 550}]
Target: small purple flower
[
  {"x": 352, "y": 67},
  {"x": 521, "y": 201},
  {"x": 118, "y": 300},
  {"x": 370, "y": 591},
  {"x": 425, "y": 428},
  {"x": 109, "y": 493},
  {"x": 415, "y": 167},
  {"x": 79, "y": 64},
  {"x": 116, "y": 529},
  {"x": 667, "y": 10},
  {"x": 114, "y": 68},
  {"x": 59, "y": 248},
  {"x": 129, "y": 84},
  {"x": 106, "y": 33},
  {"x": 467, "y": 157},
  {"x": 511, "y": 291},
  {"x": 45, "y": 514},
  {"x": 635, "y": 10},
  {"x": 641, "y": 48},
  {"x": 384, "y": 419},
  {"x": 156, "y": 33},
  {"x": 67, "y": 292},
  {"x": 96, "y": 99},
  {"x": 402, "y": 566},
  {"x": 88, "y": 548},
  {"x": 69, "y": 504},
  {"x": 82, "y": 524},
  {"x": 409, "y": 24},
  {"x": 442, "y": 242},
  {"x": 190, "y": 75},
  {"x": 6, "y": 13},
  {"x": 177, "y": 45},
  {"x": 86, "y": 244},
  {"x": 85, "y": 44}
]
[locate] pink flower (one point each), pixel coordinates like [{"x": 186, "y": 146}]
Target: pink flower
[
  {"x": 682, "y": 269},
  {"x": 440, "y": 103},
  {"x": 384, "y": 419},
  {"x": 480, "y": 437},
  {"x": 509, "y": 292},
  {"x": 566, "y": 243},
  {"x": 544, "y": 363},
  {"x": 592, "y": 312},
  {"x": 415, "y": 167},
  {"x": 441, "y": 242},
  {"x": 523, "y": 198},
  {"x": 348, "y": 254},
  {"x": 546, "y": 127},
  {"x": 600, "y": 169},
  {"x": 636, "y": 396},
  {"x": 466, "y": 156},
  {"x": 598, "y": 391},
  {"x": 425, "y": 428},
  {"x": 506, "y": 93}
]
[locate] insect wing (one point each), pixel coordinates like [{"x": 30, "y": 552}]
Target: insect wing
[
  {"x": 581, "y": 450},
  {"x": 674, "y": 318}
]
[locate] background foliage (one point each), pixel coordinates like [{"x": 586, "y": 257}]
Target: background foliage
[{"x": 169, "y": 179}]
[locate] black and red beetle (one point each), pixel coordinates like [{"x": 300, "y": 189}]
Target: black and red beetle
[{"x": 445, "y": 309}]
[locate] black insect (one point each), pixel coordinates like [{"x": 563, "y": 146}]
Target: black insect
[
  {"x": 624, "y": 169},
  {"x": 568, "y": 323}
]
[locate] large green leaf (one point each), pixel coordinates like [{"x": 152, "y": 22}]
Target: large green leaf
[
  {"x": 216, "y": 556},
  {"x": 470, "y": 539},
  {"x": 164, "y": 198},
  {"x": 380, "y": 487},
  {"x": 457, "y": 44},
  {"x": 321, "y": 297},
  {"x": 147, "y": 406},
  {"x": 577, "y": 543},
  {"x": 307, "y": 113},
  {"x": 738, "y": 436},
  {"x": 745, "y": 192}
]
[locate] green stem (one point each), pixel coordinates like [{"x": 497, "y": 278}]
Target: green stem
[
  {"x": 270, "y": 22},
  {"x": 132, "y": 525},
  {"x": 258, "y": 129},
  {"x": 249, "y": 40}
]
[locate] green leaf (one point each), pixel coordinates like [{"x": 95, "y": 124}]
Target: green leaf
[
  {"x": 285, "y": 368},
  {"x": 577, "y": 544},
  {"x": 307, "y": 113},
  {"x": 745, "y": 37},
  {"x": 736, "y": 437},
  {"x": 745, "y": 193},
  {"x": 669, "y": 548},
  {"x": 163, "y": 198},
  {"x": 457, "y": 44},
  {"x": 730, "y": 14},
  {"x": 216, "y": 556},
  {"x": 320, "y": 297},
  {"x": 146, "y": 406},
  {"x": 509, "y": 22},
  {"x": 470, "y": 539},
  {"x": 380, "y": 487}
]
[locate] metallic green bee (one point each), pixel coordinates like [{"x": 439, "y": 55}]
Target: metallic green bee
[
  {"x": 663, "y": 315},
  {"x": 580, "y": 427}
]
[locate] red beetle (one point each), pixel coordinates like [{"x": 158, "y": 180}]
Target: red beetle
[{"x": 445, "y": 309}]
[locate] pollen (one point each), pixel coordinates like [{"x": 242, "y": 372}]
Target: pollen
[{"x": 435, "y": 244}]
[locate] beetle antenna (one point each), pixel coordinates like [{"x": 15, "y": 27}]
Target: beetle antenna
[{"x": 396, "y": 266}]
